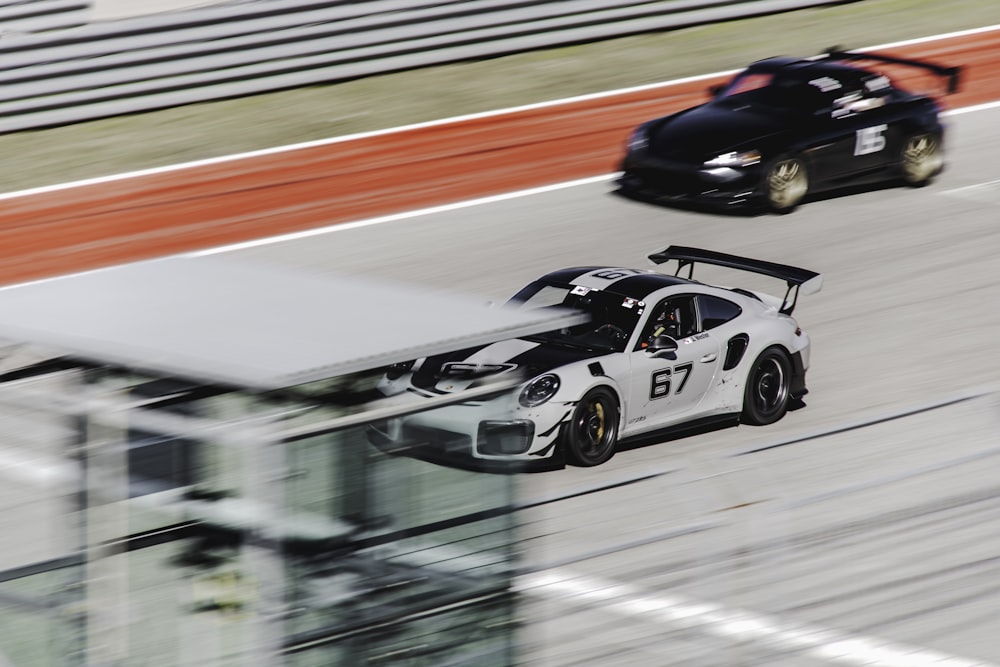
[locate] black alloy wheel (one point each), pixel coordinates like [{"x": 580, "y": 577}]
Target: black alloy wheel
[
  {"x": 921, "y": 160},
  {"x": 590, "y": 437},
  {"x": 786, "y": 184},
  {"x": 767, "y": 393}
]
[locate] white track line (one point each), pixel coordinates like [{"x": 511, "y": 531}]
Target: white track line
[
  {"x": 974, "y": 186},
  {"x": 455, "y": 206},
  {"x": 733, "y": 624},
  {"x": 976, "y": 107},
  {"x": 737, "y": 625},
  {"x": 437, "y": 123},
  {"x": 318, "y": 231}
]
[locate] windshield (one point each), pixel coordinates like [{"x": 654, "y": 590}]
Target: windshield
[
  {"x": 776, "y": 92},
  {"x": 613, "y": 317}
]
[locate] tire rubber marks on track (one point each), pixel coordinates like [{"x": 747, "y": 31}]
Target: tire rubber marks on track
[
  {"x": 736, "y": 625},
  {"x": 983, "y": 193}
]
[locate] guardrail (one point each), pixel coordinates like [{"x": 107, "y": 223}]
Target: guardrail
[
  {"x": 23, "y": 16},
  {"x": 174, "y": 58}
]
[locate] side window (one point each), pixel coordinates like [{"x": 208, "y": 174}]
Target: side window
[
  {"x": 877, "y": 87},
  {"x": 674, "y": 317},
  {"x": 716, "y": 311},
  {"x": 862, "y": 95},
  {"x": 858, "y": 102}
]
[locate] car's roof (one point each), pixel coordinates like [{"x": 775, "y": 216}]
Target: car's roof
[
  {"x": 802, "y": 84},
  {"x": 635, "y": 283},
  {"x": 807, "y": 68},
  {"x": 639, "y": 284}
]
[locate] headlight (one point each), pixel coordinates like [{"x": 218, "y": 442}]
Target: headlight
[
  {"x": 639, "y": 139},
  {"x": 539, "y": 390},
  {"x": 734, "y": 159}
]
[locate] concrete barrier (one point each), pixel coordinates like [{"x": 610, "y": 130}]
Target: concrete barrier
[{"x": 216, "y": 51}]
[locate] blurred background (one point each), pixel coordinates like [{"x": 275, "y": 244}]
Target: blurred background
[{"x": 169, "y": 519}]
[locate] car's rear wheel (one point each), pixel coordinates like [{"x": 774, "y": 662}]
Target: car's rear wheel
[
  {"x": 767, "y": 393},
  {"x": 785, "y": 184},
  {"x": 591, "y": 435},
  {"x": 922, "y": 159}
]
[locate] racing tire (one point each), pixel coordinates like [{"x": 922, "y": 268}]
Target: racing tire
[
  {"x": 786, "y": 184},
  {"x": 921, "y": 159},
  {"x": 768, "y": 388},
  {"x": 591, "y": 435}
]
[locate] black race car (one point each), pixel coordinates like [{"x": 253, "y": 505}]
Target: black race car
[{"x": 785, "y": 128}]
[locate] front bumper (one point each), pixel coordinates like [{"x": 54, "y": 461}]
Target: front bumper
[
  {"x": 469, "y": 437},
  {"x": 663, "y": 180}
]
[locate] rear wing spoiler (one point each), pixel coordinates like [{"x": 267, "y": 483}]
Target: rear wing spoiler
[
  {"x": 798, "y": 280},
  {"x": 952, "y": 74}
]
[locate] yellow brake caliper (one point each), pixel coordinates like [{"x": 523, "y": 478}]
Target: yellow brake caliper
[{"x": 600, "y": 416}]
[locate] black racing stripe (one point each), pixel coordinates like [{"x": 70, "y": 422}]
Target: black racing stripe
[
  {"x": 543, "y": 358},
  {"x": 567, "y": 276},
  {"x": 430, "y": 370},
  {"x": 530, "y": 363},
  {"x": 644, "y": 284}
]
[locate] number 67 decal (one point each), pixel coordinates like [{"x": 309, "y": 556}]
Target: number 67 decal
[{"x": 661, "y": 380}]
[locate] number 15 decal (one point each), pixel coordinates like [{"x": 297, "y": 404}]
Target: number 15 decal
[
  {"x": 869, "y": 139},
  {"x": 661, "y": 380}
]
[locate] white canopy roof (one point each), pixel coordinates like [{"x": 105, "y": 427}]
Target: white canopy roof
[{"x": 218, "y": 319}]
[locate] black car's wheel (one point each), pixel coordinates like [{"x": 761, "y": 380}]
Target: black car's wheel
[
  {"x": 921, "y": 160},
  {"x": 766, "y": 397},
  {"x": 786, "y": 184},
  {"x": 591, "y": 435}
]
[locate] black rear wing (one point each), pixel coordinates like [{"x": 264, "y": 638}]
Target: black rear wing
[
  {"x": 952, "y": 74},
  {"x": 798, "y": 280}
]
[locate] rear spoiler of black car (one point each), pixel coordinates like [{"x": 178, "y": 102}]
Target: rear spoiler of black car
[
  {"x": 952, "y": 74},
  {"x": 804, "y": 280}
]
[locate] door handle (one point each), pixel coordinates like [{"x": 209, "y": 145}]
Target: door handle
[{"x": 709, "y": 357}]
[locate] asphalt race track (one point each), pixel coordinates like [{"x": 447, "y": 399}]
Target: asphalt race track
[
  {"x": 109, "y": 220},
  {"x": 865, "y": 525},
  {"x": 863, "y": 529}
]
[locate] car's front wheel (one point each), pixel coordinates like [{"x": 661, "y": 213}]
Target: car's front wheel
[
  {"x": 767, "y": 393},
  {"x": 922, "y": 159},
  {"x": 786, "y": 184},
  {"x": 591, "y": 435}
]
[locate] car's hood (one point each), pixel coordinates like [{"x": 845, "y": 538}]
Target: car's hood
[
  {"x": 467, "y": 368},
  {"x": 711, "y": 129}
]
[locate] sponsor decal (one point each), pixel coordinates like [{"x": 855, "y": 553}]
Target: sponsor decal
[
  {"x": 826, "y": 84},
  {"x": 878, "y": 83}
]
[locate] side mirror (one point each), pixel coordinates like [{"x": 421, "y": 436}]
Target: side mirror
[{"x": 662, "y": 346}]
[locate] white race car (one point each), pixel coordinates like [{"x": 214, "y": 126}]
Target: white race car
[{"x": 659, "y": 351}]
